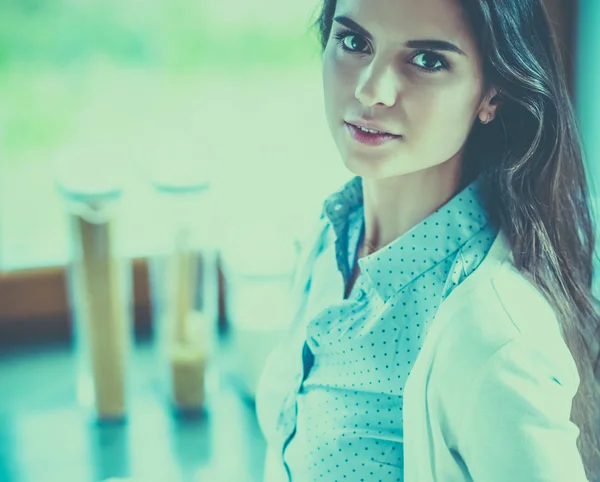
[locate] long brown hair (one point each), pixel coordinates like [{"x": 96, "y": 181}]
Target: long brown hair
[{"x": 531, "y": 166}]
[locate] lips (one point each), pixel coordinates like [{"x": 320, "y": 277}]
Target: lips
[
  {"x": 373, "y": 139},
  {"x": 373, "y": 127},
  {"x": 373, "y": 131}
]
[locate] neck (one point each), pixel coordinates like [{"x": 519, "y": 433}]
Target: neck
[{"x": 393, "y": 206}]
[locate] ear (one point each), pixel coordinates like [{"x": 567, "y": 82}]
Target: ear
[{"x": 490, "y": 104}]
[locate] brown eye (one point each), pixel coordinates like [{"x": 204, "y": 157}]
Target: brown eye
[
  {"x": 355, "y": 43},
  {"x": 430, "y": 61},
  {"x": 352, "y": 42}
]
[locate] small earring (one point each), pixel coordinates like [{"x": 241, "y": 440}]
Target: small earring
[{"x": 488, "y": 119}]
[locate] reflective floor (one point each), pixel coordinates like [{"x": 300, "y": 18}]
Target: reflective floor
[{"x": 46, "y": 436}]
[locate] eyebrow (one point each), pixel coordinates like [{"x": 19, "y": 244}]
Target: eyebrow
[{"x": 431, "y": 44}]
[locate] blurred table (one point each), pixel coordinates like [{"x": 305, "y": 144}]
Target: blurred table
[{"x": 46, "y": 436}]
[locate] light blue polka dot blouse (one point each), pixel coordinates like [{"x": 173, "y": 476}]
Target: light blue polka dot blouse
[{"x": 330, "y": 398}]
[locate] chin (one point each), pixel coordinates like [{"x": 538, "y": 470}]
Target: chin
[{"x": 373, "y": 168}]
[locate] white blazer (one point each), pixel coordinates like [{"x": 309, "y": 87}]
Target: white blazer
[
  {"x": 490, "y": 394},
  {"x": 489, "y": 397}
]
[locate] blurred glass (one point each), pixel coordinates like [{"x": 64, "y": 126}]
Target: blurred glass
[
  {"x": 258, "y": 263},
  {"x": 258, "y": 258},
  {"x": 99, "y": 279},
  {"x": 183, "y": 280}
]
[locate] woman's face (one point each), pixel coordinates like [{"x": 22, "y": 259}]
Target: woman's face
[{"x": 409, "y": 68}]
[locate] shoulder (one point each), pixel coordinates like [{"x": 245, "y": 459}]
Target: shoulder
[
  {"x": 523, "y": 303},
  {"x": 502, "y": 307},
  {"x": 504, "y": 336},
  {"x": 520, "y": 389}
]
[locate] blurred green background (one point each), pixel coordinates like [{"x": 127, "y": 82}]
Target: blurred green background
[
  {"x": 56, "y": 55},
  {"x": 232, "y": 86}
]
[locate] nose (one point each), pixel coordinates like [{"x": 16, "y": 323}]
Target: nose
[{"x": 377, "y": 85}]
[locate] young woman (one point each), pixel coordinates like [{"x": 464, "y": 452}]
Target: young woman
[{"x": 445, "y": 329}]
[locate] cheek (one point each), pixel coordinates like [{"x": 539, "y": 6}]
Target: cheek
[
  {"x": 330, "y": 102},
  {"x": 337, "y": 79},
  {"x": 328, "y": 76},
  {"x": 442, "y": 116}
]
